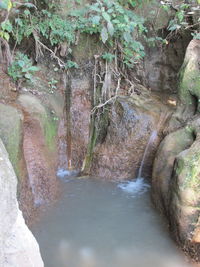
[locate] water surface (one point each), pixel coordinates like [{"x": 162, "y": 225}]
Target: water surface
[{"x": 97, "y": 223}]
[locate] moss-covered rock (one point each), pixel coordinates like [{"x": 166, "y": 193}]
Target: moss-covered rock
[
  {"x": 189, "y": 87},
  {"x": 190, "y": 77},
  {"x": 176, "y": 184},
  {"x": 11, "y": 133},
  {"x": 33, "y": 106},
  {"x": 169, "y": 148}
]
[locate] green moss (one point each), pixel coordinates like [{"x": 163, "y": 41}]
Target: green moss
[
  {"x": 50, "y": 131},
  {"x": 13, "y": 149},
  {"x": 179, "y": 166},
  {"x": 91, "y": 145},
  {"x": 189, "y": 86},
  {"x": 11, "y": 134},
  {"x": 189, "y": 170}
]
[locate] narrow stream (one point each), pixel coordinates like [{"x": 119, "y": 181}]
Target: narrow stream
[{"x": 98, "y": 223}]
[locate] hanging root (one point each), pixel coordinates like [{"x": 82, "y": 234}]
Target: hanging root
[{"x": 39, "y": 53}]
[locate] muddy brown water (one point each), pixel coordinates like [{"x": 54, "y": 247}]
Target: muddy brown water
[{"x": 98, "y": 223}]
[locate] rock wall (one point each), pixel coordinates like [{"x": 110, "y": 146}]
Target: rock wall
[
  {"x": 29, "y": 121},
  {"x": 131, "y": 122},
  {"x": 18, "y": 247},
  {"x": 176, "y": 171}
]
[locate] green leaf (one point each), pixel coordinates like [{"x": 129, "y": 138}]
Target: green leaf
[
  {"x": 104, "y": 35},
  {"x": 106, "y": 16},
  {"x": 6, "y": 4},
  {"x": 180, "y": 15},
  {"x": 6, "y": 36},
  {"x": 33, "y": 68},
  {"x": 27, "y": 12},
  {"x": 96, "y": 20},
  {"x": 21, "y": 63},
  {"x": 174, "y": 27},
  {"x": 110, "y": 28},
  {"x": 95, "y": 8},
  {"x": 29, "y": 5},
  {"x": 108, "y": 56},
  {"x": 19, "y": 22},
  {"x": 6, "y": 26},
  {"x": 196, "y": 35},
  {"x": 127, "y": 37}
]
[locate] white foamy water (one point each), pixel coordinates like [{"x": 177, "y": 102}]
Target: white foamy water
[
  {"x": 136, "y": 187},
  {"x": 62, "y": 173}
]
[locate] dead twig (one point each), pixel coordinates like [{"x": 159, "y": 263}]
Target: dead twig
[{"x": 104, "y": 104}]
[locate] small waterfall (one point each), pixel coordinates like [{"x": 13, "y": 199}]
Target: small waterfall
[
  {"x": 152, "y": 138},
  {"x": 67, "y": 85}
]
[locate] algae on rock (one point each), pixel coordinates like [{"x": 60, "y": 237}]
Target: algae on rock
[
  {"x": 11, "y": 133},
  {"x": 176, "y": 183}
]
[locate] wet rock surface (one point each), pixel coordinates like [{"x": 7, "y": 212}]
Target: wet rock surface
[
  {"x": 131, "y": 123},
  {"x": 40, "y": 167},
  {"x": 80, "y": 119}
]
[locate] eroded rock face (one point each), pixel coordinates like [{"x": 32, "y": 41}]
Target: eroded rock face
[
  {"x": 38, "y": 149},
  {"x": 176, "y": 184},
  {"x": 131, "y": 123},
  {"x": 162, "y": 65},
  {"x": 80, "y": 114},
  {"x": 18, "y": 247}
]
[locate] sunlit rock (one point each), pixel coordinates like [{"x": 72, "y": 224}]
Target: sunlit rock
[{"x": 18, "y": 247}]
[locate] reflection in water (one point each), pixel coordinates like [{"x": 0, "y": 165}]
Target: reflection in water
[{"x": 103, "y": 224}]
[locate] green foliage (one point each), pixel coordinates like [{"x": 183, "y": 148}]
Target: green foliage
[
  {"x": 114, "y": 24},
  {"x": 22, "y": 68},
  {"x": 71, "y": 64},
  {"x": 47, "y": 25},
  {"x": 5, "y": 29},
  {"x": 196, "y": 35},
  {"x": 108, "y": 57},
  {"x": 183, "y": 12},
  {"x": 6, "y": 4},
  {"x": 53, "y": 84}
]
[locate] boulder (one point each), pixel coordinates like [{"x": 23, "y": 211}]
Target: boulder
[
  {"x": 189, "y": 87},
  {"x": 18, "y": 247},
  {"x": 176, "y": 184}
]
